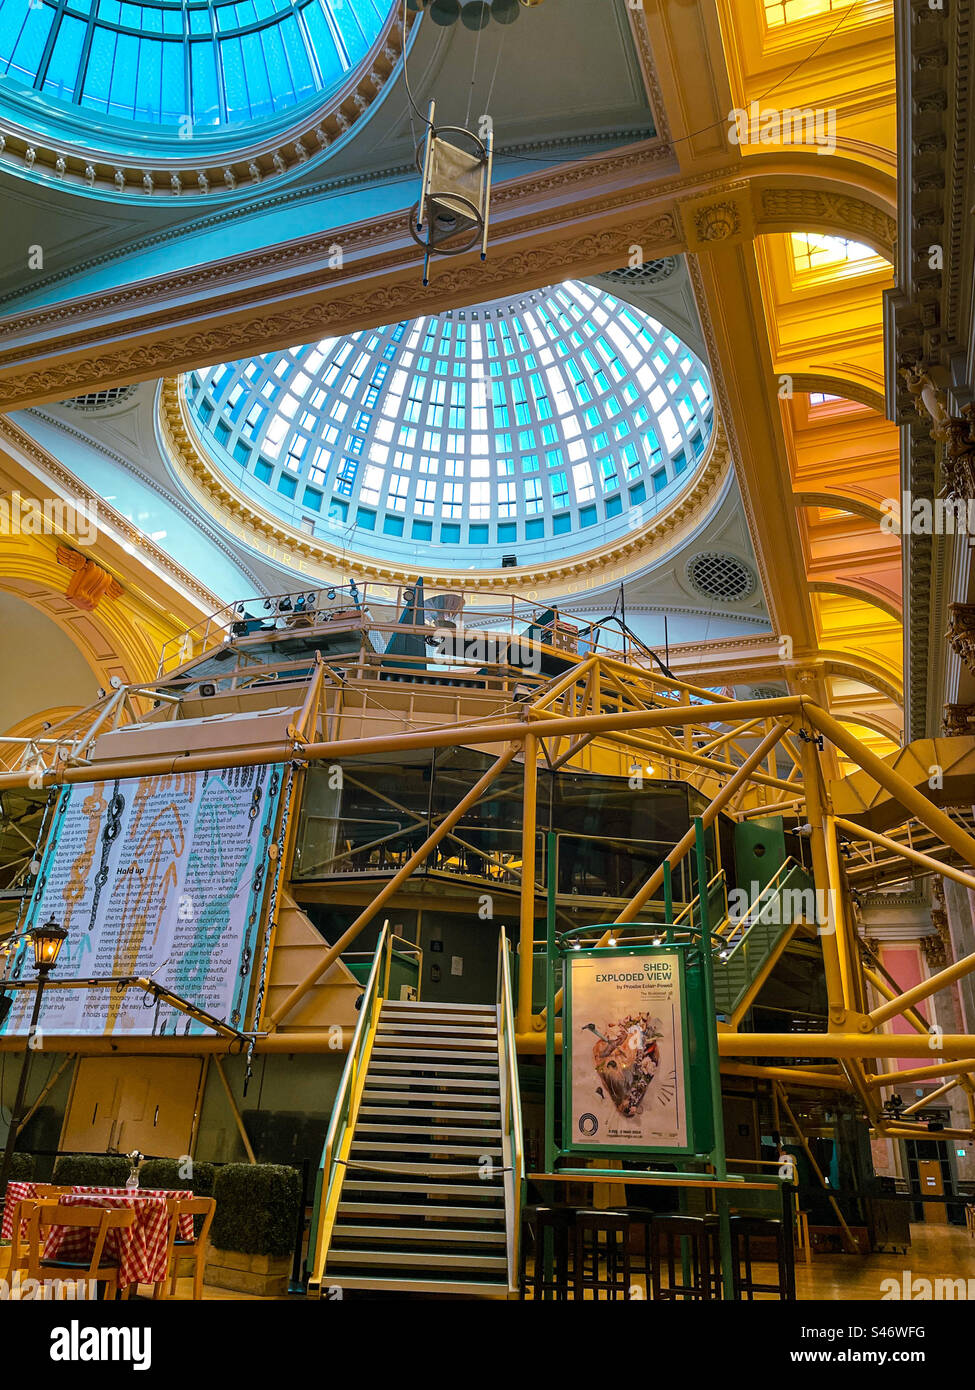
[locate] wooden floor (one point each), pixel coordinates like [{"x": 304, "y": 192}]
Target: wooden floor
[{"x": 936, "y": 1252}]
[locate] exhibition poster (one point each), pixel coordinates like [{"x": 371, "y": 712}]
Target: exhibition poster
[
  {"x": 161, "y": 877},
  {"x": 627, "y": 1076}
]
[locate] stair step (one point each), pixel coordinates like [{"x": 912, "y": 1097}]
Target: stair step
[
  {"x": 431, "y": 1131},
  {"x": 406, "y": 1112},
  {"x": 446, "y": 1075},
  {"x": 441, "y": 1030},
  {"x": 412, "y": 1188},
  {"x": 446, "y": 1101},
  {"x": 455, "y": 1235},
  {"x": 403, "y": 1042},
  {"x": 473, "y": 1288},
  {"x": 424, "y": 1016},
  {"x": 416, "y": 1259},
  {"x": 433, "y": 1213},
  {"x": 375, "y": 1146},
  {"x": 437, "y": 1006},
  {"x": 406, "y": 1168},
  {"x": 414, "y": 1048}
]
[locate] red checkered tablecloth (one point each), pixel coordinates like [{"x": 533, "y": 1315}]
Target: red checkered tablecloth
[
  {"x": 16, "y": 1192},
  {"x": 139, "y": 1250}
]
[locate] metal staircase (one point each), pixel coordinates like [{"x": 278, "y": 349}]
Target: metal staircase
[
  {"x": 421, "y": 1186},
  {"x": 756, "y": 940}
]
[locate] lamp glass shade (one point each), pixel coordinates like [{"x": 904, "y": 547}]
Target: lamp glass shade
[{"x": 47, "y": 941}]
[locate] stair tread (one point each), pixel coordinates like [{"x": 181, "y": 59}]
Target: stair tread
[
  {"x": 400, "y": 1026},
  {"x": 454, "y": 1235},
  {"x": 407, "y": 1168},
  {"x": 413, "y": 1259},
  {"x": 474, "y": 1288},
  {"x": 432, "y": 1132},
  {"x": 406, "y": 1112},
  {"x": 412, "y": 1186},
  {"x": 434, "y": 1212},
  {"x": 409, "y": 1146}
]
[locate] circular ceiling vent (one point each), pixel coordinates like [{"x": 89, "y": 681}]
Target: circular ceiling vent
[
  {"x": 721, "y": 576},
  {"x": 101, "y": 400},
  {"x": 649, "y": 273},
  {"x": 766, "y": 692}
]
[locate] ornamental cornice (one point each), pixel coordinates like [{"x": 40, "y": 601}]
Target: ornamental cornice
[
  {"x": 298, "y": 550},
  {"x": 77, "y": 165},
  {"x": 363, "y": 238}
]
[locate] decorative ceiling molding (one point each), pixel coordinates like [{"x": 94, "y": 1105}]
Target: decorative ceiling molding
[
  {"x": 299, "y": 551},
  {"x": 89, "y": 169},
  {"x": 290, "y": 293},
  {"x": 172, "y": 498},
  {"x": 19, "y": 442}
]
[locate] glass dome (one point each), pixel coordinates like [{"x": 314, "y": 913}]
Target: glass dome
[
  {"x": 538, "y": 427},
  {"x": 185, "y": 63}
]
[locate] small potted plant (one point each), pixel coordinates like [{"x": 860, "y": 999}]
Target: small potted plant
[{"x": 135, "y": 1163}]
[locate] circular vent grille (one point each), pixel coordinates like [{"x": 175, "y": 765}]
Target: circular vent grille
[
  {"x": 718, "y": 575},
  {"x": 766, "y": 692},
  {"x": 101, "y": 400},
  {"x": 650, "y": 273}
]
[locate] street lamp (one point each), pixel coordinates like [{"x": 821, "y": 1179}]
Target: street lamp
[{"x": 47, "y": 941}]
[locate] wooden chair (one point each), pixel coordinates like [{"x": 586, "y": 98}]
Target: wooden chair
[
  {"x": 18, "y": 1243},
  {"x": 194, "y": 1249},
  {"x": 101, "y": 1220}
]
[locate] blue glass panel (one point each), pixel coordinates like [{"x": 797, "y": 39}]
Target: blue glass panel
[
  {"x": 122, "y": 99},
  {"x": 148, "y": 92},
  {"x": 258, "y": 88},
  {"x": 152, "y": 20},
  {"x": 131, "y": 16},
  {"x": 29, "y": 45},
  {"x": 173, "y": 84},
  {"x": 235, "y": 85},
  {"x": 62, "y": 70},
  {"x": 279, "y": 77},
  {"x": 449, "y": 534},
  {"x": 98, "y": 77},
  {"x": 367, "y": 520},
  {"x": 422, "y": 530},
  {"x": 561, "y": 525},
  {"x": 302, "y": 80},
  {"x": 110, "y": 11},
  {"x": 312, "y": 499},
  {"x": 287, "y": 486},
  {"x": 479, "y": 535},
  {"x": 263, "y": 470},
  {"x": 393, "y": 526},
  {"x": 172, "y": 21},
  {"x": 203, "y": 76},
  {"x": 330, "y": 64},
  {"x": 200, "y": 22}
]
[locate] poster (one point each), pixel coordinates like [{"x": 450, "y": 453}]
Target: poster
[
  {"x": 627, "y": 1052},
  {"x": 159, "y": 877}
]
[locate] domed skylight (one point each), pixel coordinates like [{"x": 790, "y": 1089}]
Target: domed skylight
[
  {"x": 536, "y": 427},
  {"x": 185, "y": 63}
]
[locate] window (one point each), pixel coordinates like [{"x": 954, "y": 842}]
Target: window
[
  {"x": 215, "y": 63},
  {"x": 443, "y": 438}
]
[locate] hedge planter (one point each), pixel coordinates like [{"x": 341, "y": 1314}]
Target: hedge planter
[
  {"x": 253, "y": 1231},
  {"x": 265, "y": 1276}
]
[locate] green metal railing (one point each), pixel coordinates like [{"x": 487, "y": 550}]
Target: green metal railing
[{"x": 750, "y": 941}]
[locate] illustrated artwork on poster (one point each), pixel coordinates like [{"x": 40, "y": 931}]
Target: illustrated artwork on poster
[
  {"x": 627, "y": 1052},
  {"x": 158, "y": 877}
]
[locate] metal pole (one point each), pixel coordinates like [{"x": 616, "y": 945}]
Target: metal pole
[
  {"x": 526, "y": 937},
  {"x": 718, "y": 1155},
  {"x": 17, "y": 1113}
]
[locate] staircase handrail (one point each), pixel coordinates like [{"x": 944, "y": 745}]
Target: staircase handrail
[
  {"x": 510, "y": 1112},
  {"x": 331, "y": 1169},
  {"x": 753, "y": 916}
]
